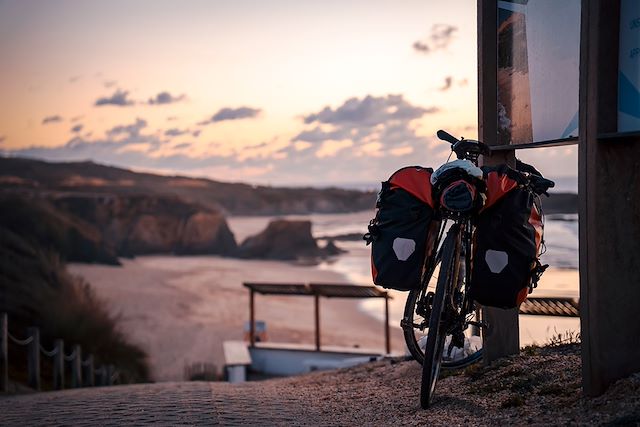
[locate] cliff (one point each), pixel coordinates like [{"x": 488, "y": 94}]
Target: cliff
[
  {"x": 140, "y": 224},
  {"x": 229, "y": 198},
  {"x": 100, "y": 228}
]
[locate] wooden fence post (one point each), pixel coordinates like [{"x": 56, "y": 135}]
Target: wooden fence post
[
  {"x": 33, "y": 359},
  {"x": 76, "y": 367},
  {"x": 58, "y": 366},
  {"x": 102, "y": 375},
  {"x": 111, "y": 370},
  {"x": 4, "y": 353},
  {"x": 89, "y": 375}
]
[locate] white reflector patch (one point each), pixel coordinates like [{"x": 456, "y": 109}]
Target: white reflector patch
[
  {"x": 403, "y": 248},
  {"x": 496, "y": 260}
]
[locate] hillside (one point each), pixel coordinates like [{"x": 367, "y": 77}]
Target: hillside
[
  {"x": 36, "y": 290},
  {"x": 230, "y": 198}
]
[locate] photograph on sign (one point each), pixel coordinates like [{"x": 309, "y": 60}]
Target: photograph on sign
[{"x": 538, "y": 69}]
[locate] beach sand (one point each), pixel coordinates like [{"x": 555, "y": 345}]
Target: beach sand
[{"x": 181, "y": 309}]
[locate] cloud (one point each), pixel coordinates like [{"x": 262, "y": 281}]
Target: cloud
[
  {"x": 2, "y": 139},
  {"x": 369, "y": 111},
  {"x": 51, "y": 119},
  {"x": 175, "y": 132},
  {"x": 448, "y": 81},
  {"x": 109, "y": 84},
  {"x": 232, "y": 114},
  {"x": 172, "y": 118},
  {"x": 119, "y": 98},
  {"x": 76, "y": 118},
  {"x": 182, "y": 145},
  {"x": 132, "y": 130},
  {"x": 77, "y": 128},
  {"x": 440, "y": 37},
  {"x": 369, "y": 127},
  {"x": 362, "y": 139},
  {"x": 74, "y": 79},
  {"x": 165, "y": 98}
]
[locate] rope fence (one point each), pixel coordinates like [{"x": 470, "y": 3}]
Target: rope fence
[
  {"x": 83, "y": 373},
  {"x": 49, "y": 353},
  {"x": 20, "y": 342}
]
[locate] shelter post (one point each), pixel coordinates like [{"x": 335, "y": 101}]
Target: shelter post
[{"x": 316, "y": 299}]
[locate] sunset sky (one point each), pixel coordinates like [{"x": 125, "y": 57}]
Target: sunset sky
[{"x": 270, "y": 92}]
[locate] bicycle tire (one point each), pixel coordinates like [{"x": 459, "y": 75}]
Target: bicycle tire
[
  {"x": 413, "y": 327},
  {"x": 416, "y": 332},
  {"x": 435, "y": 338}
]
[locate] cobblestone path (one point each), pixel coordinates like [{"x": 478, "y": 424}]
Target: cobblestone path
[{"x": 162, "y": 404}]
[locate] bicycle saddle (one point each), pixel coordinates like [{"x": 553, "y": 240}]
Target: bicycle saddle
[{"x": 465, "y": 165}]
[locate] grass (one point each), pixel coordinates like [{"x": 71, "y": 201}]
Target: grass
[
  {"x": 36, "y": 290},
  {"x": 568, "y": 337}
]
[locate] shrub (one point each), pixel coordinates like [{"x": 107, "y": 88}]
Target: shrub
[{"x": 37, "y": 290}]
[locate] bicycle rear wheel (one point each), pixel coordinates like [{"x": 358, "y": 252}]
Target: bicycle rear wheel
[{"x": 437, "y": 320}]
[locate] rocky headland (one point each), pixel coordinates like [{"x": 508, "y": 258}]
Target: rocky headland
[{"x": 93, "y": 213}]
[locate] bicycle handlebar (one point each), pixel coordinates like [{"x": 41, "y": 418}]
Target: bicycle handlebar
[
  {"x": 446, "y": 136},
  {"x": 464, "y": 148}
]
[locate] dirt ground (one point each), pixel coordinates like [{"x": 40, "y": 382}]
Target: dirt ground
[{"x": 541, "y": 386}]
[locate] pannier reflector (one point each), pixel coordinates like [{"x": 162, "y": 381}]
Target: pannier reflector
[
  {"x": 403, "y": 248},
  {"x": 496, "y": 260}
]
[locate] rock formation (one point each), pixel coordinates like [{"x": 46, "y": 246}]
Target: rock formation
[{"x": 283, "y": 240}]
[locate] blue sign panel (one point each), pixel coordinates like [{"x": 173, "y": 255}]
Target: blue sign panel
[{"x": 629, "y": 67}]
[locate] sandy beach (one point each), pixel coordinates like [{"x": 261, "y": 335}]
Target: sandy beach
[{"x": 181, "y": 309}]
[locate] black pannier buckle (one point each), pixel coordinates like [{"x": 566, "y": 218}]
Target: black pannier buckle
[{"x": 536, "y": 274}]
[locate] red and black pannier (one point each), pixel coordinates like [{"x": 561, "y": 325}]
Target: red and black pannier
[
  {"x": 508, "y": 240},
  {"x": 399, "y": 232}
]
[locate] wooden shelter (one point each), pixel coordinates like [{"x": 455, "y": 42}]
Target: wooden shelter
[{"x": 316, "y": 290}]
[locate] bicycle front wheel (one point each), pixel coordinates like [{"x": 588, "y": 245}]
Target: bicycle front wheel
[
  {"x": 437, "y": 320},
  {"x": 415, "y": 325}
]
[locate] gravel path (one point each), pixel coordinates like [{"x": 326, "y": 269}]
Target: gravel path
[{"x": 539, "y": 387}]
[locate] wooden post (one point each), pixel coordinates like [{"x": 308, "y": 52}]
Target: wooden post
[
  {"x": 316, "y": 299},
  {"x": 252, "y": 319},
  {"x": 33, "y": 359},
  {"x": 89, "y": 374},
  {"x": 4, "y": 353},
  {"x": 501, "y": 338},
  {"x": 609, "y": 204},
  {"x": 387, "y": 336},
  {"x": 101, "y": 374},
  {"x": 111, "y": 370},
  {"x": 58, "y": 366},
  {"x": 76, "y": 367}
]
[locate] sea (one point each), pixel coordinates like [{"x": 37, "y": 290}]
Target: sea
[{"x": 561, "y": 253}]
